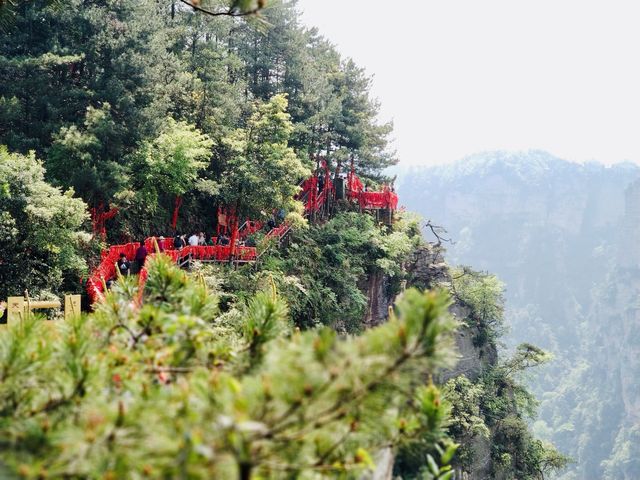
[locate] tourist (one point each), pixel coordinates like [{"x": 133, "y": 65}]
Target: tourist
[
  {"x": 124, "y": 266},
  {"x": 193, "y": 240},
  {"x": 202, "y": 240},
  {"x": 141, "y": 256},
  {"x": 178, "y": 242}
]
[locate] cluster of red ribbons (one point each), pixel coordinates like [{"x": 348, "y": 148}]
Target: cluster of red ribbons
[
  {"x": 370, "y": 200},
  {"x": 107, "y": 268},
  {"x": 98, "y": 218},
  {"x": 316, "y": 190}
]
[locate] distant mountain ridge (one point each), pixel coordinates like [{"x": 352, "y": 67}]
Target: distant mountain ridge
[
  {"x": 526, "y": 165},
  {"x": 532, "y": 182}
]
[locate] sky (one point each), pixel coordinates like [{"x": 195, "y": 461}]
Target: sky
[{"x": 463, "y": 76}]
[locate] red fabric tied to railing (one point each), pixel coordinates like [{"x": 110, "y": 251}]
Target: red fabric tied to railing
[
  {"x": 94, "y": 290},
  {"x": 129, "y": 249},
  {"x": 223, "y": 252},
  {"x": 312, "y": 196},
  {"x": 163, "y": 244},
  {"x": 186, "y": 251},
  {"x": 307, "y": 185},
  {"x": 199, "y": 252},
  {"x": 354, "y": 185},
  {"x": 278, "y": 231},
  {"x": 392, "y": 201},
  {"x": 173, "y": 254},
  {"x": 373, "y": 200}
]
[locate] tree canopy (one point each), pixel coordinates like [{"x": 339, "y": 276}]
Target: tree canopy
[
  {"x": 40, "y": 228},
  {"x": 94, "y": 88}
]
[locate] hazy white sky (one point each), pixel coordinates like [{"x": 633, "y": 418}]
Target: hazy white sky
[{"x": 462, "y": 76}]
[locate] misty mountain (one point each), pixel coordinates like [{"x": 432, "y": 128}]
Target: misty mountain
[{"x": 562, "y": 239}]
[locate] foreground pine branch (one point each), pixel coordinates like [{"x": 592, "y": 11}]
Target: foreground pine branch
[{"x": 198, "y": 395}]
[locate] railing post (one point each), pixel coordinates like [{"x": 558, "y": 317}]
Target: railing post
[
  {"x": 72, "y": 306},
  {"x": 15, "y": 310}
]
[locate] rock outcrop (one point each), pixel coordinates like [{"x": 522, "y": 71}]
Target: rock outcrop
[{"x": 427, "y": 269}]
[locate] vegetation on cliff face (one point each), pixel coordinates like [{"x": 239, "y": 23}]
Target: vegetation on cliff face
[{"x": 494, "y": 409}]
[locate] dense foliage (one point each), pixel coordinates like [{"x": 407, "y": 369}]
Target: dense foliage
[
  {"x": 39, "y": 229},
  {"x": 483, "y": 295},
  {"x": 324, "y": 269},
  {"x": 262, "y": 171},
  {"x": 150, "y": 108},
  {"x": 170, "y": 388}
]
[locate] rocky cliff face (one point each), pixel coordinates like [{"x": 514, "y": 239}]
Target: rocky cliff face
[{"x": 426, "y": 269}]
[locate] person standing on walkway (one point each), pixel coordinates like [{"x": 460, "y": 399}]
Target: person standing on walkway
[
  {"x": 141, "y": 256},
  {"x": 178, "y": 242}
]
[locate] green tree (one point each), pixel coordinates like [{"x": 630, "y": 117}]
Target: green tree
[
  {"x": 331, "y": 104},
  {"x": 58, "y": 60},
  {"x": 467, "y": 420},
  {"x": 171, "y": 162},
  {"x": 86, "y": 158},
  {"x": 260, "y": 171},
  {"x": 39, "y": 229},
  {"x": 483, "y": 294}
]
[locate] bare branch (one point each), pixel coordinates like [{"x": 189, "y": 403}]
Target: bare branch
[
  {"x": 230, "y": 12},
  {"x": 440, "y": 233}
]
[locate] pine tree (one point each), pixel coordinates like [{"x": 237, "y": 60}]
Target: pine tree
[{"x": 171, "y": 388}]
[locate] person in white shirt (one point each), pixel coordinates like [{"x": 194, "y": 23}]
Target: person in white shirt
[{"x": 193, "y": 240}]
